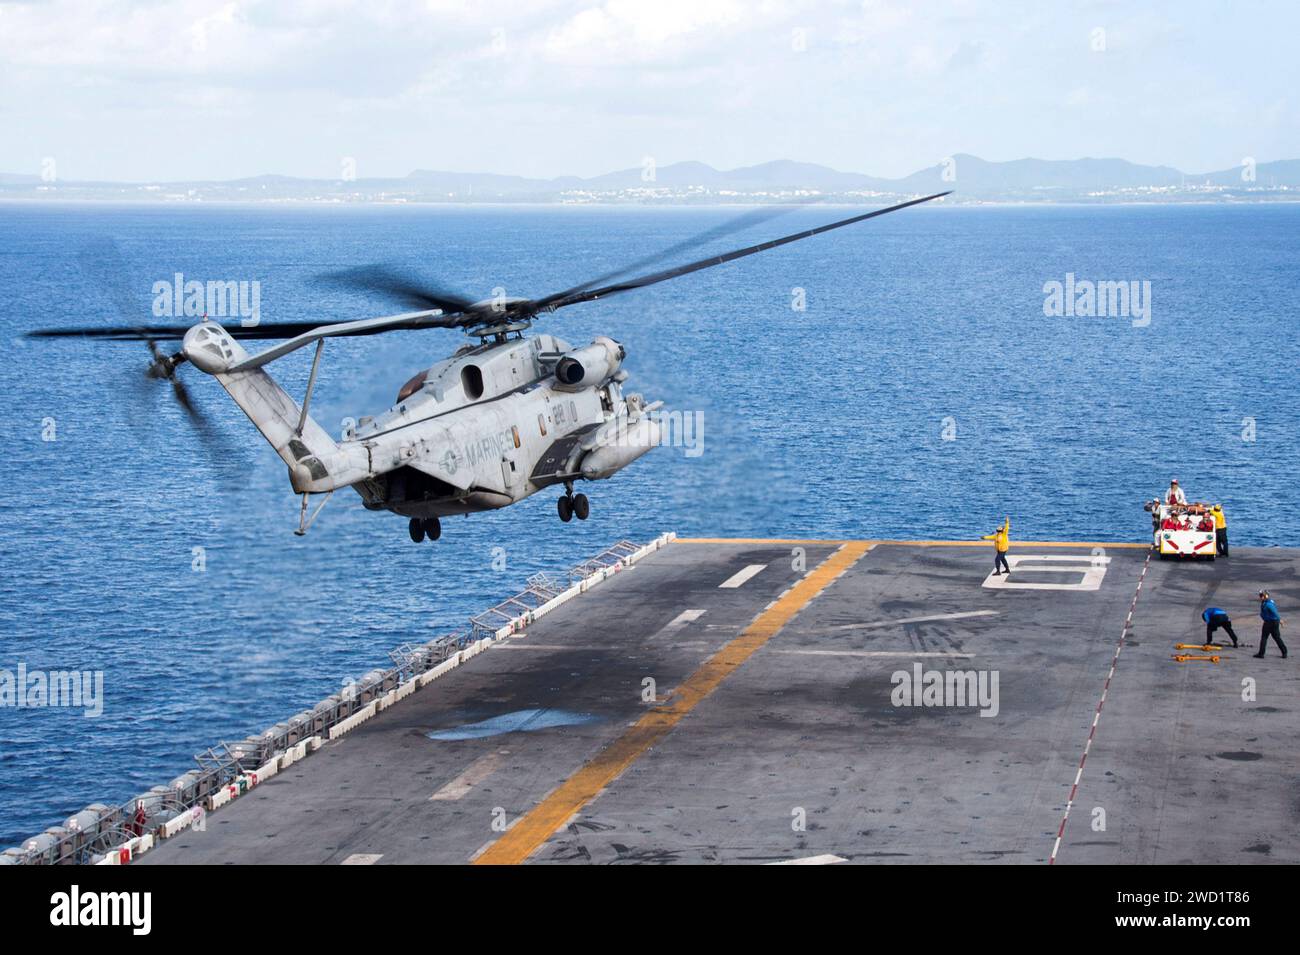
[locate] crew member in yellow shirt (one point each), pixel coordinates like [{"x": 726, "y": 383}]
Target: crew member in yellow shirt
[
  {"x": 1001, "y": 539},
  {"x": 1220, "y": 530}
]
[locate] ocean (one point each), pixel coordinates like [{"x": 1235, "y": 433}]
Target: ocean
[{"x": 920, "y": 392}]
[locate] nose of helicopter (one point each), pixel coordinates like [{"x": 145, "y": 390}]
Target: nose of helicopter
[{"x": 210, "y": 348}]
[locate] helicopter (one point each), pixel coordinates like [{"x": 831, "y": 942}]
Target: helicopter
[{"x": 498, "y": 421}]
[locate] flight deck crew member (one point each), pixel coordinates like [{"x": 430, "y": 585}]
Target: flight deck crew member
[
  {"x": 1001, "y": 539},
  {"x": 1216, "y": 617},
  {"x": 1175, "y": 493},
  {"x": 1220, "y": 530},
  {"x": 1272, "y": 624}
]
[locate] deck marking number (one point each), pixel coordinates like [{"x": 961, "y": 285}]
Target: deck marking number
[{"x": 1087, "y": 571}]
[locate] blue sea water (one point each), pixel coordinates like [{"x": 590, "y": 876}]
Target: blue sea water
[{"x": 824, "y": 422}]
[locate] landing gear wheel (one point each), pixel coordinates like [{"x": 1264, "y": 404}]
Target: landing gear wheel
[
  {"x": 565, "y": 506},
  {"x": 581, "y": 506},
  {"x": 417, "y": 530},
  {"x": 433, "y": 528}
]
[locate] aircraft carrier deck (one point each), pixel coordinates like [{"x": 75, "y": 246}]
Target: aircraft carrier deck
[{"x": 770, "y": 733}]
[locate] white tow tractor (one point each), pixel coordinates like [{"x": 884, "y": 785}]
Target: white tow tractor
[{"x": 1182, "y": 530}]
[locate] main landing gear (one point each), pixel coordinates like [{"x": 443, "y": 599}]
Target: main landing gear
[
  {"x": 573, "y": 505},
  {"x": 429, "y": 527}
]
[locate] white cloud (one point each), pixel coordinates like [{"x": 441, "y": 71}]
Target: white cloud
[
  {"x": 620, "y": 32},
  {"x": 589, "y": 85},
  {"x": 176, "y": 37}
]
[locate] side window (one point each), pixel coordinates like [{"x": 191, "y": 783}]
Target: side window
[
  {"x": 541, "y": 424},
  {"x": 471, "y": 379}
]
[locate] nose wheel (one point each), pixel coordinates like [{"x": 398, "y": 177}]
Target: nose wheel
[{"x": 429, "y": 527}]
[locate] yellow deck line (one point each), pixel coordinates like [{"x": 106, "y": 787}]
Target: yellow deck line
[
  {"x": 920, "y": 543},
  {"x": 539, "y": 824}
]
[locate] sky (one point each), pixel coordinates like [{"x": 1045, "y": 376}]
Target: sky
[{"x": 220, "y": 89}]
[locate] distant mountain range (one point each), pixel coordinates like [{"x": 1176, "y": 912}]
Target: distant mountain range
[{"x": 971, "y": 178}]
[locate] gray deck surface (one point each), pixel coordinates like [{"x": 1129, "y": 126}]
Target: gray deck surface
[{"x": 1184, "y": 769}]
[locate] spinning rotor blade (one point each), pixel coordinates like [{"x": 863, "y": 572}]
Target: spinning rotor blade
[
  {"x": 101, "y": 262},
  {"x": 739, "y": 223},
  {"x": 457, "y": 310},
  {"x": 460, "y": 312},
  {"x": 398, "y": 286},
  {"x": 104, "y": 253},
  {"x": 103, "y": 266},
  {"x": 415, "y": 292},
  {"x": 263, "y": 331},
  {"x": 552, "y": 302}
]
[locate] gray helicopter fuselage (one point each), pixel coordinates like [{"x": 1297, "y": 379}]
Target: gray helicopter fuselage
[
  {"x": 476, "y": 431},
  {"x": 485, "y": 428}
]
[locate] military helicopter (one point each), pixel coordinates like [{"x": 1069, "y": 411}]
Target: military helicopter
[{"x": 498, "y": 421}]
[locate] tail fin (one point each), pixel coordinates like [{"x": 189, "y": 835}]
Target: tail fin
[{"x": 315, "y": 461}]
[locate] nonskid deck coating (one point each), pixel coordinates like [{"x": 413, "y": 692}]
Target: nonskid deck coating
[{"x": 794, "y": 748}]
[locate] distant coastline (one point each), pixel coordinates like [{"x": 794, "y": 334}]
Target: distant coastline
[
  {"x": 830, "y": 201},
  {"x": 973, "y": 181}
]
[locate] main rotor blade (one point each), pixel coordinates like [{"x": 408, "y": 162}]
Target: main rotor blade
[
  {"x": 749, "y": 219},
  {"x": 262, "y": 332},
  {"x": 398, "y": 286},
  {"x": 459, "y": 311},
  {"x": 143, "y": 333},
  {"x": 591, "y": 295}
]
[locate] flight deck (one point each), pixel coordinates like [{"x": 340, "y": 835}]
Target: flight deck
[{"x": 765, "y": 701}]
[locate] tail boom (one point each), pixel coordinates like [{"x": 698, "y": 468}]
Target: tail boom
[{"x": 316, "y": 462}]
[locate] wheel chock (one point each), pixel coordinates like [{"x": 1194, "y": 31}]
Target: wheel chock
[{"x": 1185, "y": 657}]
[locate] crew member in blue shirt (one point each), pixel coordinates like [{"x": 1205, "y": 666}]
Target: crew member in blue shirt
[
  {"x": 1272, "y": 624},
  {"x": 1216, "y": 617}
]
